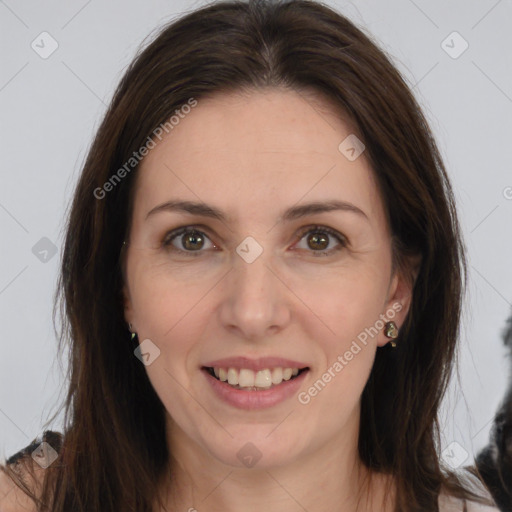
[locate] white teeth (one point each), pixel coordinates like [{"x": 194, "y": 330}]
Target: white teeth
[
  {"x": 232, "y": 376},
  {"x": 264, "y": 379},
  {"x": 245, "y": 378},
  {"x": 277, "y": 376}
]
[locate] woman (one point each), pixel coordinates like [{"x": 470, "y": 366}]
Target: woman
[{"x": 262, "y": 279}]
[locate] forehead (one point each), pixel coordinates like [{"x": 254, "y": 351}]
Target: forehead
[{"x": 245, "y": 150}]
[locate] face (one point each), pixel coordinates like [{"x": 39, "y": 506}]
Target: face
[{"x": 260, "y": 283}]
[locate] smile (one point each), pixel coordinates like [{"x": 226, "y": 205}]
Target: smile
[
  {"x": 250, "y": 380},
  {"x": 250, "y": 395}
]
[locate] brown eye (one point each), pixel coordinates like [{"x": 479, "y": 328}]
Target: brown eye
[
  {"x": 187, "y": 240},
  {"x": 192, "y": 241},
  {"x": 319, "y": 238},
  {"x": 318, "y": 241}
]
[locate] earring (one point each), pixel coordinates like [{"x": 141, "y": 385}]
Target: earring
[
  {"x": 133, "y": 333},
  {"x": 391, "y": 331}
]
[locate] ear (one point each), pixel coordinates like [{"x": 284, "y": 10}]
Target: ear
[
  {"x": 127, "y": 305},
  {"x": 125, "y": 292},
  {"x": 400, "y": 294}
]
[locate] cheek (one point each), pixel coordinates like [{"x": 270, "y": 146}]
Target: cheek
[
  {"x": 163, "y": 300},
  {"x": 350, "y": 309},
  {"x": 173, "y": 315},
  {"x": 347, "y": 303}
]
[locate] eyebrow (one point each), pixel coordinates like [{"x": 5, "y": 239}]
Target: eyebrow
[{"x": 292, "y": 213}]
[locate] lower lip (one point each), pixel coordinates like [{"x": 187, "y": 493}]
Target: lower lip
[{"x": 255, "y": 399}]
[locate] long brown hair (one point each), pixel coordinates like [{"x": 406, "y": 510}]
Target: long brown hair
[{"x": 114, "y": 448}]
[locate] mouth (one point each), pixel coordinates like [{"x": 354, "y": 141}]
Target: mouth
[{"x": 246, "y": 379}]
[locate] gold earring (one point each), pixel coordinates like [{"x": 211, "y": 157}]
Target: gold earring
[
  {"x": 133, "y": 333},
  {"x": 391, "y": 331}
]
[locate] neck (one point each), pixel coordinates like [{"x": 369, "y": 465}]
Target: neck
[{"x": 332, "y": 477}]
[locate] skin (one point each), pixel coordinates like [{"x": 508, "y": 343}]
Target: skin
[{"x": 252, "y": 156}]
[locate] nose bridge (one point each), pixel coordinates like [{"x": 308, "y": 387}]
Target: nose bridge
[
  {"x": 254, "y": 299},
  {"x": 251, "y": 277}
]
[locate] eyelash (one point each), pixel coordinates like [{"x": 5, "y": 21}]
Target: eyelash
[{"x": 170, "y": 236}]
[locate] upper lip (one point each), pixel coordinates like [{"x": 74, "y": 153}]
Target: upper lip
[{"x": 255, "y": 364}]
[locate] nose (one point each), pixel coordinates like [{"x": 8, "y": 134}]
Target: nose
[{"x": 256, "y": 302}]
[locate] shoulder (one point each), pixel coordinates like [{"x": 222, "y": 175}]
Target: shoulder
[
  {"x": 451, "y": 504},
  {"x": 28, "y": 465}
]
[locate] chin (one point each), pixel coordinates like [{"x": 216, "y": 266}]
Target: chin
[{"x": 253, "y": 448}]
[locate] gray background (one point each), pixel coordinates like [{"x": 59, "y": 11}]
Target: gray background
[{"x": 51, "y": 108}]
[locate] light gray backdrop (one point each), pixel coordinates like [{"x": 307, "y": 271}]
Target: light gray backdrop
[{"x": 52, "y": 104}]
